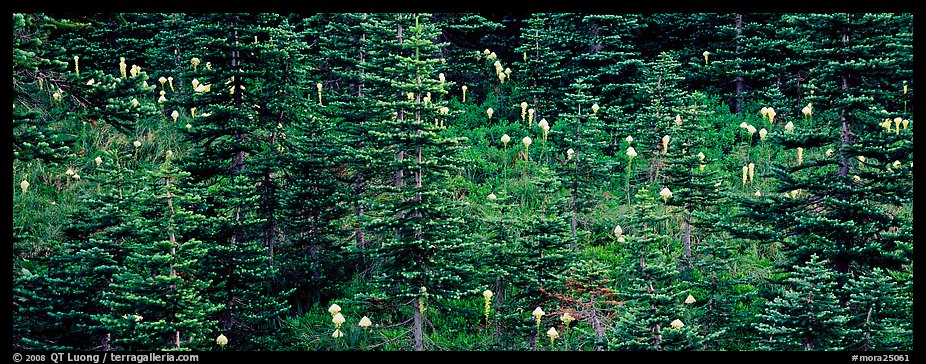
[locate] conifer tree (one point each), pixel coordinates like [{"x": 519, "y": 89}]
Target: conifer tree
[
  {"x": 807, "y": 315},
  {"x": 541, "y": 65},
  {"x": 664, "y": 99},
  {"x": 419, "y": 249},
  {"x": 653, "y": 295},
  {"x": 233, "y": 161},
  {"x": 313, "y": 203},
  {"x": 62, "y": 303},
  {"x": 586, "y": 169},
  {"x": 547, "y": 249},
  {"x": 879, "y": 313},
  {"x": 158, "y": 302}
]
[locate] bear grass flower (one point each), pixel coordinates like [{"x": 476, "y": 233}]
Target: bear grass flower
[
  {"x": 629, "y": 139},
  {"x": 24, "y": 185},
  {"x": 76, "y": 68},
  {"x": 489, "y": 112},
  {"x": 789, "y": 127},
  {"x": 162, "y": 80},
  {"x": 440, "y": 77},
  {"x": 487, "y": 295},
  {"x": 566, "y": 318},
  {"x": 338, "y": 319},
  {"x": 771, "y": 114},
  {"x": 464, "y": 92},
  {"x": 631, "y": 153},
  {"x": 98, "y": 161},
  {"x": 705, "y": 54},
  {"x": 136, "y": 143},
  {"x": 570, "y": 153},
  {"x": 553, "y": 334},
  {"x": 170, "y": 82},
  {"x": 175, "y": 115},
  {"x": 677, "y": 324},
  {"x": 122, "y": 66},
  {"x": 545, "y": 127},
  {"x": 745, "y": 174},
  {"x": 678, "y": 120},
  {"x": 665, "y": 144},
  {"x": 538, "y": 313},
  {"x": 690, "y": 299},
  {"x": 762, "y": 133},
  {"x": 800, "y": 155},
  {"x": 505, "y": 139},
  {"x": 195, "y": 62},
  {"x": 365, "y": 322},
  {"x": 701, "y": 159},
  {"x": 764, "y": 112},
  {"x": 221, "y": 340},
  {"x": 491, "y": 197},
  {"x": 618, "y": 231},
  {"x": 665, "y": 193},
  {"x": 334, "y": 309},
  {"x": 750, "y": 129},
  {"x": 752, "y": 170},
  {"x": 188, "y": 126},
  {"x": 523, "y": 111},
  {"x": 743, "y": 125},
  {"x": 905, "y": 123},
  {"x": 530, "y": 116},
  {"x": 595, "y": 108},
  {"x": 134, "y": 102}
]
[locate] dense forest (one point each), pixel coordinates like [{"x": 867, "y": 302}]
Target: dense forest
[{"x": 462, "y": 181}]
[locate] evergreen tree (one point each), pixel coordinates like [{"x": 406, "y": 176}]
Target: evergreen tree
[
  {"x": 807, "y": 315},
  {"x": 157, "y": 303},
  {"x": 653, "y": 295},
  {"x": 62, "y": 303},
  {"x": 547, "y": 249},
  {"x": 233, "y": 161},
  {"x": 879, "y": 308},
  {"x": 586, "y": 168},
  {"x": 541, "y": 65},
  {"x": 664, "y": 100},
  {"x": 35, "y": 70},
  {"x": 420, "y": 251}
]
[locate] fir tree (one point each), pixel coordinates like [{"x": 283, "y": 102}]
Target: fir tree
[
  {"x": 419, "y": 249},
  {"x": 653, "y": 296},
  {"x": 807, "y": 315},
  {"x": 158, "y": 302}
]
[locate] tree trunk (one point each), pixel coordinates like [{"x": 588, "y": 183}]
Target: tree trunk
[
  {"x": 686, "y": 240},
  {"x": 740, "y": 83}
]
